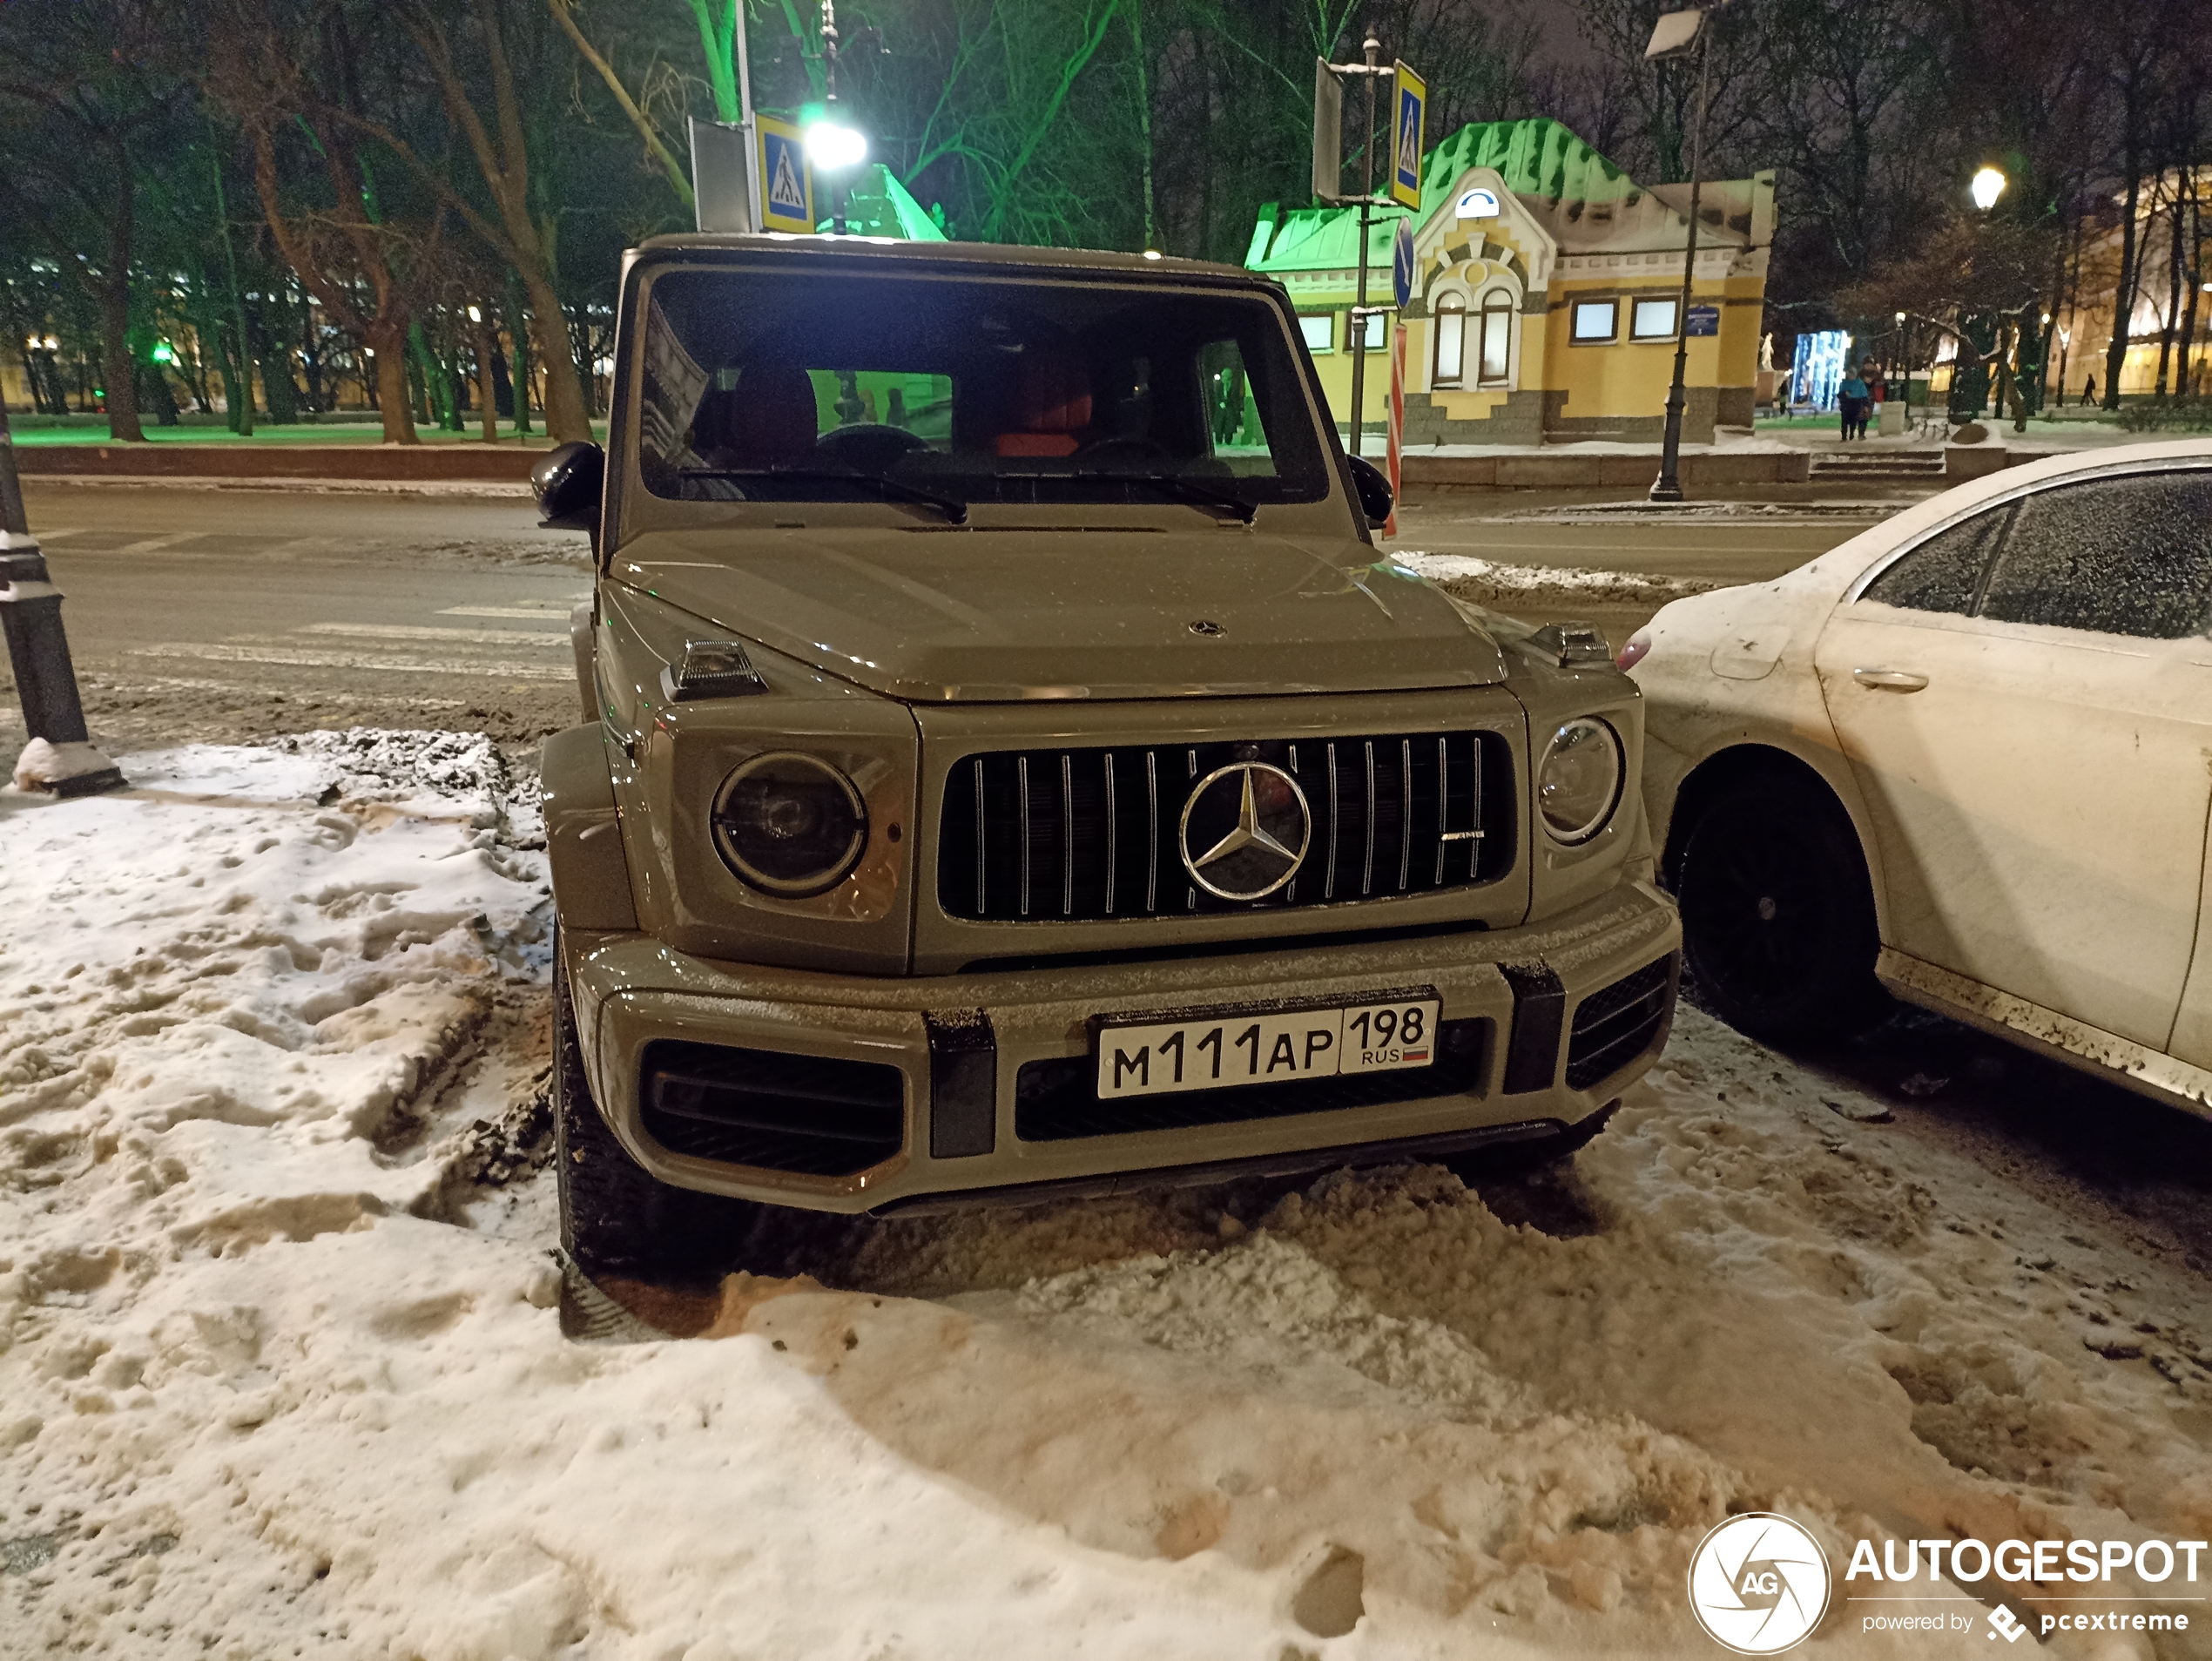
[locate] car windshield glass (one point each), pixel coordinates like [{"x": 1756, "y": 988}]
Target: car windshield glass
[{"x": 773, "y": 386}]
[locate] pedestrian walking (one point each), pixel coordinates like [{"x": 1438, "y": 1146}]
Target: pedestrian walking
[
  {"x": 2088, "y": 390},
  {"x": 1851, "y": 405},
  {"x": 1878, "y": 390}
]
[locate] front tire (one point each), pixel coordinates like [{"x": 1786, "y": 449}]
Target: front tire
[
  {"x": 615, "y": 1218},
  {"x": 1777, "y": 913}
]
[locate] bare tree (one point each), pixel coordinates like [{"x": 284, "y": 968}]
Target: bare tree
[
  {"x": 74, "y": 97},
  {"x": 495, "y": 136}
]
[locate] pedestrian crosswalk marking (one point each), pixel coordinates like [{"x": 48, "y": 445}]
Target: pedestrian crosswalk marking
[
  {"x": 547, "y": 611},
  {"x": 490, "y": 669},
  {"x": 459, "y": 637}
]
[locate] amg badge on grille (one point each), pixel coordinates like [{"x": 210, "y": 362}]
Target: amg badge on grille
[{"x": 1244, "y": 831}]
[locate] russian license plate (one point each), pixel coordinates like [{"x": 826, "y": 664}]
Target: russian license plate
[{"x": 1219, "y": 1052}]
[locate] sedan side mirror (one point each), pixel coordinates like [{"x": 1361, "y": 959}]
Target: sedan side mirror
[
  {"x": 1373, "y": 486},
  {"x": 567, "y": 484}
]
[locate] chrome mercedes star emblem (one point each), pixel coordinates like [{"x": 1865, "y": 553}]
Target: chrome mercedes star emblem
[{"x": 1252, "y": 823}]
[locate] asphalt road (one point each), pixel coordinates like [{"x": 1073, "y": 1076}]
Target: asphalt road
[
  {"x": 205, "y": 614},
  {"x": 236, "y": 616},
  {"x": 232, "y": 615}
]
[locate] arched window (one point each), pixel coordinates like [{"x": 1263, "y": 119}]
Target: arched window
[
  {"x": 1451, "y": 340},
  {"x": 1497, "y": 338}
]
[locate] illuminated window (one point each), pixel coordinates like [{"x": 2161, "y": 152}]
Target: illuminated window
[
  {"x": 1320, "y": 331},
  {"x": 1596, "y": 320},
  {"x": 1497, "y": 338},
  {"x": 1377, "y": 332},
  {"x": 1652, "y": 320},
  {"x": 1451, "y": 338}
]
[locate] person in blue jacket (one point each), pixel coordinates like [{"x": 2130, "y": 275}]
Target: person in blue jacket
[{"x": 1851, "y": 405}]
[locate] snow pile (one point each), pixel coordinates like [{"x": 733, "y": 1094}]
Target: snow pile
[
  {"x": 1489, "y": 582},
  {"x": 275, "y": 1378},
  {"x": 46, "y": 766}
]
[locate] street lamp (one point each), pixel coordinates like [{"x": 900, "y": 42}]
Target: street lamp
[
  {"x": 833, "y": 146},
  {"x": 1677, "y": 34},
  {"x": 1988, "y": 185}
]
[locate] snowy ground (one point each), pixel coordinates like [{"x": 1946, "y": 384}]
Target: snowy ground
[{"x": 283, "y": 1371}]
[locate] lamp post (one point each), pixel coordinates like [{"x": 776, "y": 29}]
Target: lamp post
[
  {"x": 1904, "y": 357},
  {"x": 1370, "y": 49},
  {"x": 1677, "y": 35},
  {"x": 833, "y": 146}
]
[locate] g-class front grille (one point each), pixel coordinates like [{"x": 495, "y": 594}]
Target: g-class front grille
[{"x": 1055, "y": 835}]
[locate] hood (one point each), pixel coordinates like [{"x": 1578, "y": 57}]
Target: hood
[{"x": 939, "y": 615}]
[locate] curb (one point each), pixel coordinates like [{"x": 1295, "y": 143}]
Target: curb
[
  {"x": 281, "y": 464},
  {"x": 448, "y": 489}
]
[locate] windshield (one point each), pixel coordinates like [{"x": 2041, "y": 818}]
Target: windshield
[{"x": 943, "y": 390}]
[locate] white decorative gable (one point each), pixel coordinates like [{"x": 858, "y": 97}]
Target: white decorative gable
[{"x": 1480, "y": 207}]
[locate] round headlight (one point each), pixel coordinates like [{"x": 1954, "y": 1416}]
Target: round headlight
[
  {"x": 1578, "y": 783},
  {"x": 790, "y": 824}
]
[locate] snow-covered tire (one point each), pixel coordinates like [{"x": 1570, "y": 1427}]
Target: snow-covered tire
[
  {"x": 615, "y": 1218},
  {"x": 1777, "y": 913}
]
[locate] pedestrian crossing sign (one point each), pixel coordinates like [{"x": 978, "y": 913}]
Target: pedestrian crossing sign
[
  {"x": 1406, "y": 137},
  {"x": 787, "y": 182}
]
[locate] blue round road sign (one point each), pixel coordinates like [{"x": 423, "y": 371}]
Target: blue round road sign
[{"x": 1401, "y": 264}]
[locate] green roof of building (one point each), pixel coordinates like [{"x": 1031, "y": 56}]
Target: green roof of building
[{"x": 1535, "y": 156}]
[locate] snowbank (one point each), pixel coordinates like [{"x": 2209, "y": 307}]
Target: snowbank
[
  {"x": 1488, "y": 580},
  {"x": 279, "y": 1375}
]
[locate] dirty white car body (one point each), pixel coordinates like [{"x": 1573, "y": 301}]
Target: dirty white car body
[{"x": 2005, "y": 694}]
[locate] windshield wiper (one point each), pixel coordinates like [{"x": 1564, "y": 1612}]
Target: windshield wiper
[
  {"x": 955, "y": 511},
  {"x": 1176, "y": 485}
]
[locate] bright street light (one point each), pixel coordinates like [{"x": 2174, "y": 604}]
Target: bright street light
[
  {"x": 1988, "y": 185},
  {"x": 833, "y": 146}
]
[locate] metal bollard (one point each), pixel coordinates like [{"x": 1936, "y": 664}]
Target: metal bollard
[{"x": 30, "y": 616}]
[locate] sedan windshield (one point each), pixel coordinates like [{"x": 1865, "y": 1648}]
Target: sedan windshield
[{"x": 937, "y": 390}]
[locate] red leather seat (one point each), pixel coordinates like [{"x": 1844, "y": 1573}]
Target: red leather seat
[
  {"x": 767, "y": 420},
  {"x": 1050, "y": 405}
]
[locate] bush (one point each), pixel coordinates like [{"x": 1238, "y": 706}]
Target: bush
[{"x": 2190, "y": 412}]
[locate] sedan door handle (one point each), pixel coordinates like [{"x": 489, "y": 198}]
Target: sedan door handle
[{"x": 1890, "y": 681}]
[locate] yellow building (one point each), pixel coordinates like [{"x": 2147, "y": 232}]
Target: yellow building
[
  {"x": 2171, "y": 317},
  {"x": 1546, "y": 287}
]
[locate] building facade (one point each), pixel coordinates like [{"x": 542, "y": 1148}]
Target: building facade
[
  {"x": 1547, "y": 284},
  {"x": 2169, "y": 314}
]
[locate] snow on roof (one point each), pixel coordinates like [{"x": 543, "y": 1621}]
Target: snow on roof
[{"x": 1586, "y": 203}]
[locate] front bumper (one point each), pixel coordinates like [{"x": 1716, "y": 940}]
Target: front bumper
[{"x": 1524, "y": 996}]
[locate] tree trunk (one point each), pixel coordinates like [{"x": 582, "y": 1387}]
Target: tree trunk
[
  {"x": 484, "y": 391},
  {"x": 2123, "y": 293},
  {"x": 117, "y": 369},
  {"x": 388, "y": 341},
  {"x": 519, "y": 371},
  {"x": 566, "y": 416}
]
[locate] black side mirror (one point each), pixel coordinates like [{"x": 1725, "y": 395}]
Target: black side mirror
[
  {"x": 567, "y": 484},
  {"x": 1373, "y": 486}
]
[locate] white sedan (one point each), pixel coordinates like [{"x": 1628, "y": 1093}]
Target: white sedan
[{"x": 1966, "y": 756}]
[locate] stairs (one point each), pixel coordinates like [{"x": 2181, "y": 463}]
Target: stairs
[{"x": 1893, "y": 466}]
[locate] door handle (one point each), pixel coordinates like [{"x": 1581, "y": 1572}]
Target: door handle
[{"x": 1890, "y": 681}]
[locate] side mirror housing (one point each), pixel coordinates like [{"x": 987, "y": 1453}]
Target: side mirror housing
[
  {"x": 1373, "y": 486},
  {"x": 568, "y": 482}
]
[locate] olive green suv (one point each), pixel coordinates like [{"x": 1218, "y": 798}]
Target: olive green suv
[{"x": 1010, "y": 770}]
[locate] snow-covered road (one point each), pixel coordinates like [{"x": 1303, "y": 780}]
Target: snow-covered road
[{"x": 282, "y": 1366}]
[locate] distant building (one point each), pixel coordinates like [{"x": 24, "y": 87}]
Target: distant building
[
  {"x": 1546, "y": 288},
  {"x": 2172, "y": 309}
]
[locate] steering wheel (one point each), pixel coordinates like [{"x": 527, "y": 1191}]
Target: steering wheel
[
  {"x": 1144, "y": 451},
  {"x": 870, "y": 446}
]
